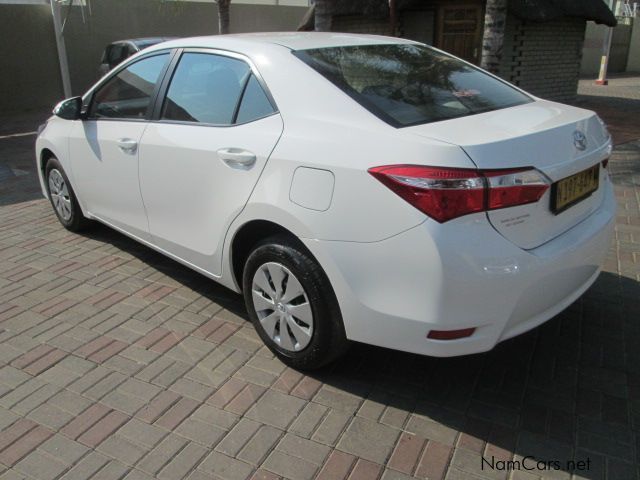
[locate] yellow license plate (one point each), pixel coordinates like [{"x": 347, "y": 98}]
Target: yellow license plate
[{"x": 571, "y": 190}]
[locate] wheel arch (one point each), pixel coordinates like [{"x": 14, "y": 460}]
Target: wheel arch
[
  {"x": 45, "y": 154},
  {"x": 247, "y": 236}
]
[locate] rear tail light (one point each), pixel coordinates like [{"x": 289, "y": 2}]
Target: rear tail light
[{"x": 447, "y": 193}]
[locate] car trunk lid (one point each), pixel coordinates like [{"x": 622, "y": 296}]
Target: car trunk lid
[{"x": 545, "y": 135}]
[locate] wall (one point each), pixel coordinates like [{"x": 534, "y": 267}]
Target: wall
[
  {"x": 633, "y": 60},
  {"x": 30, "y": 75},
  {"x": 30, "y": 52},
  {"x": 360, "y": 24},
  {"x": 592, "y": 52},
  {"x": 419, "y": 25},
  {"x": 544, "y": 58}
]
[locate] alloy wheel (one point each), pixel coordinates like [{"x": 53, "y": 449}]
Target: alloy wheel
[
  {"x": 282, "y": 306},
  {"x": 60, "y": 194}
]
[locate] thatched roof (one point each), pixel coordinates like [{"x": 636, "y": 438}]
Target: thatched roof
[{"x": 536, "y": 10}]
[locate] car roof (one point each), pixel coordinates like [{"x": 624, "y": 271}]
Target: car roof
[{"x": 290, "y": 40}]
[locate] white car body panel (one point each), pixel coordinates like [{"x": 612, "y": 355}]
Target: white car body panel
[
  {"x": 106, "y": 177},
  {"x": 190, "y": 194},
  {"x": 397, "y": 273}
]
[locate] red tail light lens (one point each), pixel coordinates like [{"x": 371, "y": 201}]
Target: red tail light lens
[
  {"x": 447, "y": 193},
  {"x": 450, "y": 334}
]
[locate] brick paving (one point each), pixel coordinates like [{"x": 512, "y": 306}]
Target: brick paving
[
  {"x": 118, "y": 363},
  {"x": 618, "y": 103}
]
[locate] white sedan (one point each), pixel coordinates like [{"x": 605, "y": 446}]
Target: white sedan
[{"x": 352, "y": 187}]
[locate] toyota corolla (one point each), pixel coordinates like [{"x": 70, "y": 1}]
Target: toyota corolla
[{"x": 352, "y": 187}]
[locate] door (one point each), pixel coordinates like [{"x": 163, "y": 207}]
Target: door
[
  {"x": 460, "y": 31},
  {"x": 104, "y": 147},
  {"x": 200, "y": 161}
]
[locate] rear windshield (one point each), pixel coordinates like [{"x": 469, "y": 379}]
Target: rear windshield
[{"x": 407, "y": 84}]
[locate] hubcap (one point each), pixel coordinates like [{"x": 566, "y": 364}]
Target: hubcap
[
  {"x": 59, "y": 194},
  {"x": 282, "y": 306}
]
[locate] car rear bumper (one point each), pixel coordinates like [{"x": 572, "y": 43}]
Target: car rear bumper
[{"x": 458, "y": 275}]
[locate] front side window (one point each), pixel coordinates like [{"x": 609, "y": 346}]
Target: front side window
[
  {"x": 205, "y": 88},
  {"x": 406, "y": 84},
  {"x": 128, "y": 94}
]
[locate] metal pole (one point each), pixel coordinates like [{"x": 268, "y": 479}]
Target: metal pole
[
  {"x": 606, "y": 49},
  {"x": 62, "y": 51}
]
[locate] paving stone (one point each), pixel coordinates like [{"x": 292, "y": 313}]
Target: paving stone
[
  {"x": 21, "y": 447},
  {"x": 192, "y": 389},
  {"x": 214, "y": 416},
  {"x": 432, "y": 430},
  {"x": 222, "y": 466},
  {"x": 69, "y": 402},
  {"x": 177, "y": 413},
  {"x": 200, "y": 432},
  {"x": 331, "y": 427},
  {"x": 158, "y": 406},
  {"x": 337, "y": 399},
  {"x": 63, "y": 449},
  {"x": 364, "y": 470},
  {"x": 307, "y": 421},
  {"x": 167, "y": 449},
  {"x": 337, "y": 467},
  {"x": 276, "y": 409},
  {"x": 40, "y": 466},
  {"x": 434, "y": 460},
  {"x": 103, "y": 428},
  {"x": 369, "y": 440},
  {"x": 256, "y": 449},
  {"x": 238, "y": 437},
  {"x": 407, "y": 453},
  {"x": 302, "y": 448},
  {"x": 120, "y": 448},
  {"x": 141, "y": 433},
  {"x": 290, "y": 467}
]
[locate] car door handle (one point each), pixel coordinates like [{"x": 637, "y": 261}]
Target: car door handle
[
  {"x": 237, "y": 158},
  {"x": 128, "y": 145}
]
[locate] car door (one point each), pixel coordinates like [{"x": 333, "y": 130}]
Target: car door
[
  {"x": 104, "y": 146},
  {"x": 216, "y": 127}
]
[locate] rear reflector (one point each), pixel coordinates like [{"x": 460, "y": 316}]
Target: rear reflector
[
  {"x": 450, "y": 334},
  {"x": 447, "y": 193}
]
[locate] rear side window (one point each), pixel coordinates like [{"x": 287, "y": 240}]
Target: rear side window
[
  {"x": 411, "y": 84},
  {"x": 255, "y": 103},
  {"x": 205, "y": 88},
  {"x": 128, "y": 93}
]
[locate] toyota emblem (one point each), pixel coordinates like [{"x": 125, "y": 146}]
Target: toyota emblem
[{"x": 579, "y": 140}]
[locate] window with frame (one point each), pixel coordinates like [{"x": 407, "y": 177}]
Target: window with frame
[
  {"x": 255, "y": 103},
  {"x": 128, "y": 94},
  {"x": 214, "y": 89}
]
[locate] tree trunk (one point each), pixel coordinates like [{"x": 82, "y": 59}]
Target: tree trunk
[
  {"x": 223, "y": 16},
  {"x": 323, "y": 16},
  {"x": 493, "y": 38}
]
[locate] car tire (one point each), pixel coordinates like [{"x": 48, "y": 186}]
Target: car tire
[
  {"x": 62, "y": 197},
  {"x": 299, "y": 320}
]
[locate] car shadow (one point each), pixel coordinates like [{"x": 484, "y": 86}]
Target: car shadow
[{"x": 565, "y": 392}]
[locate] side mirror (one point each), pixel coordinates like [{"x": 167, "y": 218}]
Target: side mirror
[{"x": 69, "y": 109}]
